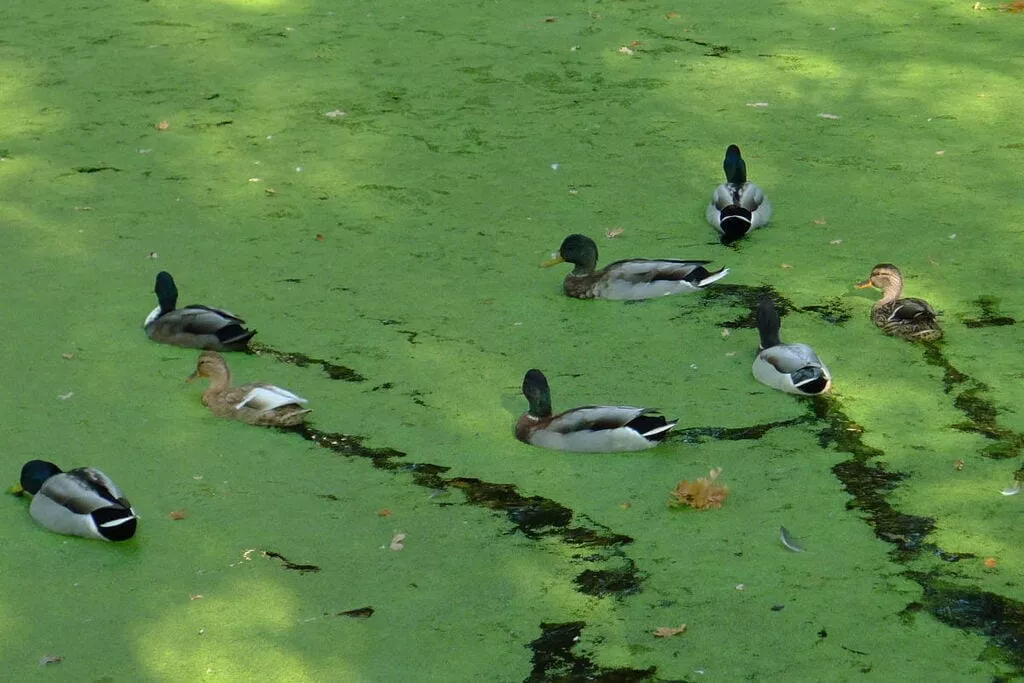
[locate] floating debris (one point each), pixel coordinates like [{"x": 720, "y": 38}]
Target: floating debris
[
  {"x": 787, "y": 540},
  {"x": 669, "y": 631}
]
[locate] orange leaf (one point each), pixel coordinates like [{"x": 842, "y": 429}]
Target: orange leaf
[{"x": 177, "y": 515}]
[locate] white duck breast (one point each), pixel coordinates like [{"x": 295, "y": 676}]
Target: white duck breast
[
  {"x": 652, "y": 278},
  {"x": 269, "y": 397},
  {"x": 792, "y": 368},
  {"x": 597, "y": 429}
]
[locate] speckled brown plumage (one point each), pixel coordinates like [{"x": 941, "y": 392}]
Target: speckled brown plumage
[{"x": 906, "y": 317}]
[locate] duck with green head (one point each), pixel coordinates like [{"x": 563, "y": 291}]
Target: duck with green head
[
  {"x": 737, "y": 205},
  {"x": 628, "y": 280},
  {"x": 898, "y": 316},
  {"x": 590, "y": 429},
  {"x": 792, "y": 368},
  {"x": 80, "y": 502},
  {"x": 264, "y": 405},
  {"x": 195, "y": 326}
]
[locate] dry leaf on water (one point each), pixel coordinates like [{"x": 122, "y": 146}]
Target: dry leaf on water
[
  {"x": 396, "y": 542},
  {"x": 177, "y": 515},
  {"x": 50, "y": 659},
  {"x": 701, "y": 494},
  {"x": 384, "y": 512},
  {"x": 668, "y": 631}
]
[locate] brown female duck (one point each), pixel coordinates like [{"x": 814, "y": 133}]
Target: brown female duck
[
  {"x": 258, "y": 404},
  {"x": 906, "y": 317}
]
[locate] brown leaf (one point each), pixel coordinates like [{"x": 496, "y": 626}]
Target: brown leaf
[
  {"x": 700, "y": 494},
  {"x": 384, "y": 512},
  {"x": 177, "y": 515},
  {"x": 396, "y": 542},
  {"x": 163, "y": 125},
  {"x": 669, "y": 631}
]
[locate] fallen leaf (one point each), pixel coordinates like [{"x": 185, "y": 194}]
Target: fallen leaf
[
  {"x": 336, "y": 114},
  {"x": 958, "y": 464},
  {"x": 83, "y": 208},
  {"x": 990, "y": 562},
  {"x": 668, "y": 631},
  {"x": 625, "y": 50},
  {"x": 725, "y": 332},
  {"x": 940, "y": 152},
  {"x": 758, "y": 105},
  {"x": 66, "y": 396},
  {"x": 195, "y": 596},
  {"x": 319, "y": 237},
  {"x": 786, "y": 266},
  {"x": 626, "y": 505},
  {"x": 163, "y": 125},
  {"x": 671, "y": 15},
  {"x": 384, "y": 512},
  {"x": 614, "y": 232},
  {"x": 741, "y": 586},
  {"x": 827, "y": 116},
  {"x": 550, "y": 20},
  {"x": 269, "y": 191},
  {"x": 834, "y": 242},
  {"x": 177, "y": 515},
  {"x": 396, "y": 542},
  {"x": 50, "y": 659},
  {"x": 67, "y": 356},
  {"x": 820, "y": 221}
]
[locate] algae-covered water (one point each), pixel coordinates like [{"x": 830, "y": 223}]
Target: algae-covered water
[{"x": 372, "y": 186}]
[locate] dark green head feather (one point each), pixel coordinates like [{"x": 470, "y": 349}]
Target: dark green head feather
[
  {"x": 581, "y": 251},
  {"x": 166, "y": 291},
  {"x": 735, "y": 167},
  {"x": 35, "y": 472},
  {"x": 768, "y": 323},
  {"x": 537, "y": 392}
]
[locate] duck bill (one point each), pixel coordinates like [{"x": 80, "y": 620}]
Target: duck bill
[
  {"x": 193, "y": 376},
  {"x": 553, "y": 261},
  {"x": 862, "y": 285}
]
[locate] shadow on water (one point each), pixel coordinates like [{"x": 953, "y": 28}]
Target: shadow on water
[{"x": 864, "y": 477}]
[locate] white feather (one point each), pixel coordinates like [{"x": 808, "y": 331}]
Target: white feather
[{"x": 269, "y": 397}]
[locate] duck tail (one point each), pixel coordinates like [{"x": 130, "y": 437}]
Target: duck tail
[{"x": 711, "y": 276}]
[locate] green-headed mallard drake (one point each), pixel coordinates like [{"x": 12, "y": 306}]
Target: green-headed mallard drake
[
  {"x": 264, "y": 405},
  {"x": 627, "y": 280},
  {"x": 792, "y": 368},
  {"x": 79, "y": 502},
  {"x": 910, "y": 318},
  {"x": 195, "y": 326},
  {"x": 737, "y": 206},
  {"x": 590, "y": 429}
]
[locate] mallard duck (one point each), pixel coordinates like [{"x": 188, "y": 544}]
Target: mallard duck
[
  {"x": 79, "y": 502},
  {"x": 194, "y": 327},
  {"x": 737, "y": 206},
  {"x": 910, "y": 318},
  {"x": 592, "y": 429},
  {"x": 792, "y": 368},
  {"x": 259, "y": 404},
  {"x": 628, "y": 280}
]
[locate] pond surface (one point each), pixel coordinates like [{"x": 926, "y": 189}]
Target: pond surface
[{"x": 372, "y": 186}]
